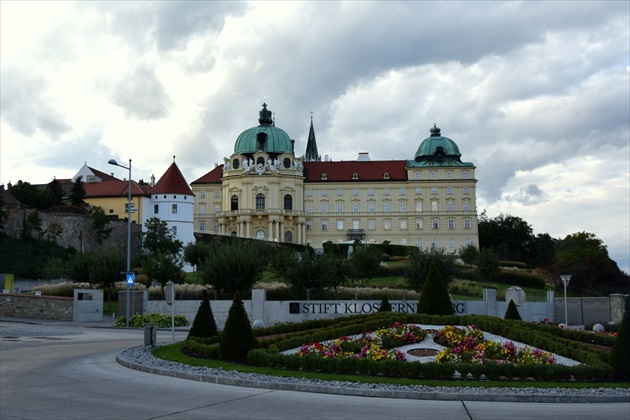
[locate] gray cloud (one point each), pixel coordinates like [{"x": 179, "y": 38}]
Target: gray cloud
[
  {"x": 142, "y": 95},
  {"x": 528, "y": 196}
]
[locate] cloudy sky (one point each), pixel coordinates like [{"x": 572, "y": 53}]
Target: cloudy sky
[{"x": 536, "y": 94}]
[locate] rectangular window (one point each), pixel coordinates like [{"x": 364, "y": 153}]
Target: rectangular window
[
  {"x": 434, "y": 206},
  {"x": 339, "y": 224},
  {"x": 418, "y": 191},
  {"x": 324, "y": 207},
  {"x": 418, "y": 175},
  {"x": 403, "y": 242},
  {"x": 403, "y": 224},
  {"x": 309, "y": 208},
  {"x": 174, "y": 209},
  {"x": 466, "y": 223},
  {"x": 216, "y": 209},
  {"x": 418, "y": 206},
  {"x": 339, "y": 207},
  {"x": 355, "y": 207},
  {"x": 371, "y": 191},
  {"x": 355, "y": 224},
  {"x": 468, "y": 241},
  {"x": 403, "y": 207},
  {"x": 450, "y": 206},
  {"x": 435, "y": 224},
  {"x": 371, "y": 207},
  {"x": 465, "y": 190},
  {"x": 418, "y": 223},
  {"x": 386, "y": 207},
  {"x": 436, "y": 243},
  {"x": 419, "y": 243},
  {"x": 433, "y": 190},
  {"x": 339, "y": 192},
  {"x": 433, "y": 175},
  {"x": 308, "y": 193},
  {"x": 174, "y": 230},
  {"x": 324, "y": 224},
  {"x": 466, "y": 205},
  {"x": 202, "y": 209},
  {"x": 355, "y": 192},
  {"x": 371, "y": 224},
  {"x": 309, "y": 225},
  {"x": 202, "y": 194},
  {"x": 451, "y": 223},
  {"x": 449, "y": 190},
  {"x": 449, "y": 175},
  {"x": 451, "y": 242},
  {"x": 465, "y": 174},
  {"x": 386, "y": 191},
  {"x": 217, "y": 194},
  {"x": 202, "y": 226},
  {"x": 387, "y": 223},
  {"x": 403, "y": 191},
  {"x": 156, "y": 209},
  {"x": 324, "y": 192}
]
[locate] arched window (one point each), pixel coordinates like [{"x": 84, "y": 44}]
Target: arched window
[
  {"x": 260, "y": 201},
  {"x": 288, "y": 202},
  {"x": 234, "y": 202},
  {"x": 260, "y": 235},
  {"x": 288, "y": 237}
]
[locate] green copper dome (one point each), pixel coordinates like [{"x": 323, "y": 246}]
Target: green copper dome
[
  {"x": 266, "y": 137},
  {"x": 438, "y": 151}
]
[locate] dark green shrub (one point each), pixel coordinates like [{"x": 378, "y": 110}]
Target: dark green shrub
[
  {"x": 204, "y": 324},
  {"x": 237, "y": 338},
  {"x": 434, "y": 298},
  {"x": 512, "y": 312},
  {"x": 385, "y": 305},
  {"x": 620, "y": 354}
]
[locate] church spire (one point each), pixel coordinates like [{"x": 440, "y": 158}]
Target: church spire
[{"x": 311, "y": 154}]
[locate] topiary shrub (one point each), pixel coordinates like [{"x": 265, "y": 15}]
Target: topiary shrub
[
  {"x": 512, "y": 312},
  {"x": 385, "y": 305},
  {"x": 620, "y": 354},
  {"x": 238, "y": 337},
  {"x": 434, "y": 298},
  {"x": 204, "y": 325}
]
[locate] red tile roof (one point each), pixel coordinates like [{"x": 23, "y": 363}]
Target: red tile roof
[
  {"x": 366, "y": 171},
  {"x": 114, "y": 189},
  {"x": 212, "y": 177},
  {"x": 172, "y": 182},
  {"x": 103, "y": 175}
]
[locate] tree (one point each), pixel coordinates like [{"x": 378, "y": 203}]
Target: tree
[
  {"x": 55, "y": 193},
  {"x": 4, "y": 213},
  {"x": 77, "y": 193},
  {"x": 195, "y": 253},
  {"x": 620, "y": 354},
  {"x": 26, "y": 194},
  {"x": 105, "y": 270},
  {"x": 55, "y": 229},
  {"x": 159, "y": 238},
  {"x": 543, "y": 250},
  {"x": 488, "y": 264},
  {"x": 78, "y": 267},
  {"x": 469, "y": 254},
  {"x": 33, "y": 222},
  {"x": 434, "y": 298},
  {"x": 510, "y": 236},
  {"x": 53, "y": 269},
  {"x": 234, "y": 266},
  {"x": 163, "y": 268},
  {"x": 307, "y": 270},
  {"x": 100, "y": 223},
  {"x": 238, "y": 337},
  {"x": 512, "y": 312},
  {"x": 204, "y": 325},
  {"x": 420, "y": 261},
  {"x": 364, "y": 262}
]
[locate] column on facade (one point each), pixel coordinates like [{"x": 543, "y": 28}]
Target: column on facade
[
  {"x": 270, "y": 230},
  {"x": 281, "y": 231},
  {"x": 248, "y": 229},
  {"x": 298, "y": 230}
]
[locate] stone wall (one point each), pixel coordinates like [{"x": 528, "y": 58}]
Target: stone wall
[
  {"x": 76, "y": 230},
  {"x": 36, "y": 307}
]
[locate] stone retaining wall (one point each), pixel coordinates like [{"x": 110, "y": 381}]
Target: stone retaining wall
[{"x": 36, "y": 307}]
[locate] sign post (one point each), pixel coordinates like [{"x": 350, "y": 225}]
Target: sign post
[
  {"x": 131, "y": 280},
  {"x": 169, "y": 296}
]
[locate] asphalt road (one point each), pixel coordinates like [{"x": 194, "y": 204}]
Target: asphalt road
[{"x": 64, "y": 371}]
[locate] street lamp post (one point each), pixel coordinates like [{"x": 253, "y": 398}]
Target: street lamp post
[
  {"x": 113, "y": 162},
  {"x": 565, "y": 279}
]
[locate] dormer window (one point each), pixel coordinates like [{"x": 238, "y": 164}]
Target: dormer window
[
  {"x": 386, "y": 175},
  {"x": 355, "y": 176},
  {"x": 324, "y": 177}
]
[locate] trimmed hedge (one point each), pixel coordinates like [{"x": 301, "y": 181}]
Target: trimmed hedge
[{"x": 511, "y": 277}]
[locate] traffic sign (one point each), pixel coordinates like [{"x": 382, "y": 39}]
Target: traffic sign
[{"x": 131, "y": 278}]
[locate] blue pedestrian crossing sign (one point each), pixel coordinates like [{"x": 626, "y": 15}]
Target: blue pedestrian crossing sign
[{"x": 131, "y": 278}]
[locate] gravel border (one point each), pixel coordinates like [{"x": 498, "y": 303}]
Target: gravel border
[{"x": 141, "y": 359}]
